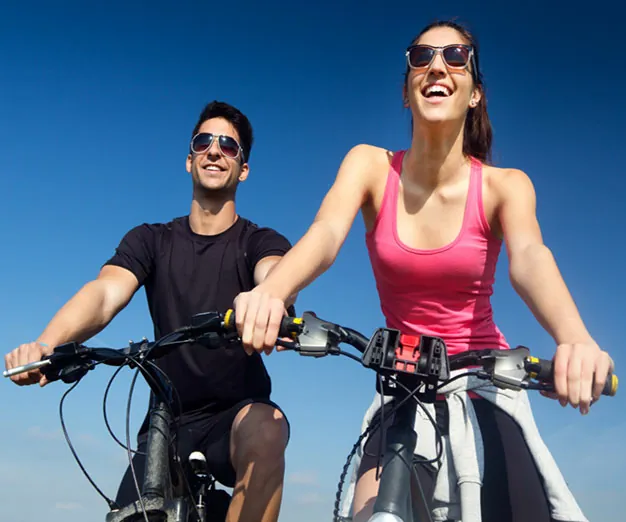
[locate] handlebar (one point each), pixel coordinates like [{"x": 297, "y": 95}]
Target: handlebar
[
  {"x": 389, "y": 352},
  {"x": 71, "y": 361}
]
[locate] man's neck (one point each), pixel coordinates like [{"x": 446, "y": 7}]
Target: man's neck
[{"x": 209, "y": 217}]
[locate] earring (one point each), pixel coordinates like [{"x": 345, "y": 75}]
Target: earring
[{"x": 473, "y": 103}]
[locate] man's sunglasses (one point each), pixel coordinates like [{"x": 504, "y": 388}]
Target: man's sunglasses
[
  {"x": 456, "y": 56},
  {"x": 228, "y": 146}
]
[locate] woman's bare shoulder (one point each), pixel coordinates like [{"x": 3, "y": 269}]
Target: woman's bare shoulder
[{"x": 504, "y": 180}]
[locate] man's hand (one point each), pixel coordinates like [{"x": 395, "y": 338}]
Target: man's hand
[
  {"x": 25, "y": 354},
  {"x": 580, "y": 372},
  {"x": 258, "y": 316}
]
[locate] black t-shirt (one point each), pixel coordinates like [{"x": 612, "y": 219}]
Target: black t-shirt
[{"x": 186, "y": 273}]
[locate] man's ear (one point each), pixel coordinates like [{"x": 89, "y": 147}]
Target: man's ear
[
  {"x": 243, "y": 172},
  {"x": 188, "y": 162}
]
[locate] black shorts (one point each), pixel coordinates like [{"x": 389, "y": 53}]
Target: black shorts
[
  {"x": 513, "y": 489},
  {"x": 208, "y": 433}
]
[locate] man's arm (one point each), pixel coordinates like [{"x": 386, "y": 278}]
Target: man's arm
[
  {"x": 87, "y": 313},
  {"x": 94, "y": 306}
]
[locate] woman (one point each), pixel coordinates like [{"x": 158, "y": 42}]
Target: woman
[{"x": 436, "y": 215}]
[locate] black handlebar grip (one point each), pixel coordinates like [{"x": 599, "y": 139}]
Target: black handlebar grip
[
  {"x": 539, "y": 369},
  {"x": 51, "y": 371},
  {"x": 542, "y": 370},
  {"x": 289, "y": 326}
]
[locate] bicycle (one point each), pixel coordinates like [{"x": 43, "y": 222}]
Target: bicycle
[
  {"x": 416, "y": 367},
  {"x": 172, "y": 491}
]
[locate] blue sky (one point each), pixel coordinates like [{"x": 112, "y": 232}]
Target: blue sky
[{"x": 97, "y": 106}]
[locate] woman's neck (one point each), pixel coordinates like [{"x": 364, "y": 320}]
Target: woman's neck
[{"x": 436, "y": 154}]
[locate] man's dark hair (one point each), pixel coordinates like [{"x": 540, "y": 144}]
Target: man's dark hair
[{"x": 217, "y": 109}]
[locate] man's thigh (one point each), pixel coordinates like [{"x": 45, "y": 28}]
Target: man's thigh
[{"x": 209, "y": 433}]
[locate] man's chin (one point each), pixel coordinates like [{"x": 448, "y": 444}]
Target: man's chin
[{"x": 215, "y": 190}]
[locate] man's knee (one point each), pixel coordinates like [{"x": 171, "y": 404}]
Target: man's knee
[{"x": 259, "y": 431}]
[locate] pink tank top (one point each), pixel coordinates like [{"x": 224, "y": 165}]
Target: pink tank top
[{"x": 444, "y": 292}]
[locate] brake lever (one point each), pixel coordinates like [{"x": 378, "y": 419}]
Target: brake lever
[
  {"x": 68, "y": 373},
  {"x": 288, "y": 345},
  {"x": 506, "y": 368},
  {"x": 540, "y": 385},
  {"x": 72, "y": 373},
  {"x": 318, "y": 337}
]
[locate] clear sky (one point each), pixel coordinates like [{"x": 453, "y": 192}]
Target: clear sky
[{"x": 97, "y": 104}]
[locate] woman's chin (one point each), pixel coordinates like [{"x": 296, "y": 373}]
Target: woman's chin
[{"x": 438, "y": 116}]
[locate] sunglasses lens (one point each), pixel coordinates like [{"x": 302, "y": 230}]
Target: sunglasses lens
[
  {"x": 420, "y": 56},
  {"x": 456, "y": 55},
  {"x": 201, "y": 142},
  {"x": 229, "y": 146}
]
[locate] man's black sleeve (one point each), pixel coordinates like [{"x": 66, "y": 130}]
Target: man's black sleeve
[
  {"x": 264, "y": 242},
  {"x": 136, "y": 252}
]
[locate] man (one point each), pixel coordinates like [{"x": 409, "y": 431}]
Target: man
[{"x": 193, "y": 264}]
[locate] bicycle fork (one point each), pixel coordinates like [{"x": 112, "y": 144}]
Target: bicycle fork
[{"x": 157, "y": 495}]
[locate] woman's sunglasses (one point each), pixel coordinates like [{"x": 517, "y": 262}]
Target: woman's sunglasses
[
  {"x": 228, "y": 146},
  {"x": 456, "y": 56}
]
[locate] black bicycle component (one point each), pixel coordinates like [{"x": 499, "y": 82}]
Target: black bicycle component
[
  {"x": 68, "y": 363},
  {"x": 397, "y": 463},
  {"x": 206, "y": 322},
  {"x": 157, "y": 459},
  {"x": 381, "y": 349},
  {"x": 424, "y": 357},
  {"x": 70, "y": 373},
  {"x": 158, "y": 500}
]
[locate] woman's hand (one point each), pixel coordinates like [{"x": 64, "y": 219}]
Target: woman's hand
[
  {"x": 580, "y": 372},
  {"x": 258, "y": 316}
]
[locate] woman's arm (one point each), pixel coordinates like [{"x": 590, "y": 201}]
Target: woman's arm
[
  {"x": 259, "y": 312},
  {"x": 580, "y": 366}
]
